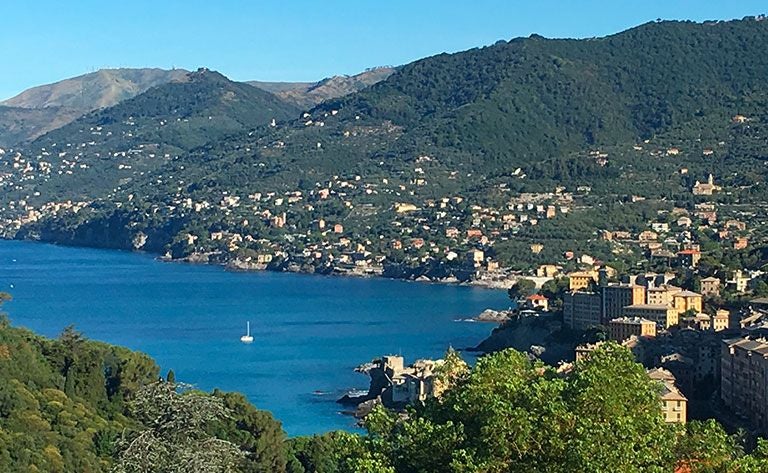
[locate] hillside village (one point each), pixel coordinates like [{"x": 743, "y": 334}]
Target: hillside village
[
  {"x": 658, "y": 244},
  {"x": 681, "y": 283},
  {"x": 396, "y": 226}
]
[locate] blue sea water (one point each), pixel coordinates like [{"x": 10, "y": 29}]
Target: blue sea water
[{"x": 310, "y": 332}]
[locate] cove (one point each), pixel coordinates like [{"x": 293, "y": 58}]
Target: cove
[{"x": 310, "y": 332}]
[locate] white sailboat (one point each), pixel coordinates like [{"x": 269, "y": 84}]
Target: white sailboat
[{"x": 247, "y": 338}]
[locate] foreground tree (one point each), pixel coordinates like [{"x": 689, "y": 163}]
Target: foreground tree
[
  {"x": 175, "y": 439},
  {"x": 512, "y": 415}
]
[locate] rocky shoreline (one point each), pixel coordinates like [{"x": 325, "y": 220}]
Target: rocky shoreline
[
  {"x": 495, "y": 316},
  {"x": 287, "y": 267},
  {"x": 433, "y": 272}
]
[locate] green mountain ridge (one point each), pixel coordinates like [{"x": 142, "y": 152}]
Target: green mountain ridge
[
  {"x": 143, "y": 132},
  {"x": 44, "y": 108},
  {"x": 526, "y": 115}
]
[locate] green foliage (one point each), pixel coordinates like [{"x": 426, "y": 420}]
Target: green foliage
[
  {"x": 174, "y": 438},
  {"x": 72, "y": 404},
  {"x": 58, "y": 409},
  {"x": 522, "y": 289},
  {"x": 511, "y": 415}
]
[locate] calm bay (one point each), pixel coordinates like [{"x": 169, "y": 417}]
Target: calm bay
[{"x": 310, "y": 332}]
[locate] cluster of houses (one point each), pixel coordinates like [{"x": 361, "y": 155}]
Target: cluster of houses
[
  {"x": 625, "y": 307},
  {"x": 692, "y": 348},
  {"x": 318, "y": 227}
]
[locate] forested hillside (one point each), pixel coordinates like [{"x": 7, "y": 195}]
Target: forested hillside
[
  {"x": 642, "y": 114},
  {"x": 533, "y": 103},
  {"x": 119, "y": 143},
  {"x": 495, "y": 108},
  {"x": 75, "y": 405}
]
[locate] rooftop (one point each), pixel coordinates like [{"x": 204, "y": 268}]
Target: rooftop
[
  {"x": 632, "y": 320},
  {"x": 648, "y": 306}
]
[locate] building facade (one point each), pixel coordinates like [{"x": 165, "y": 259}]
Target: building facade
[
  {"x": 618, "y": 296},
  {"x": 674, "y": 406},
  {"x": 663, "y": 315},
  {"x": 710, "y": 286},
  {"x": 581, "y": 280},
  {"x": 662, "y": 295},
  {"x": 687, "y": 300},
  {"x": 744, "y": 380},
  {"x": 622, "y": 328},
  {"x": 582, "y": 310}
]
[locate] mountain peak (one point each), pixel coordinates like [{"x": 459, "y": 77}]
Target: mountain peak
[
  {"x": 99, "y": 89},
  {"x": 309, "y": 94}
]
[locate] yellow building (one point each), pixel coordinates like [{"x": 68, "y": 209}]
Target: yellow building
[
  {"x": 687, "y": 300},
  {"x": 674, "y": 406},
  {"x": 581, "y": 280},
  {"x": 547, "y": 271},
  {"x": 721, "y": 320},
  {"x": 663, "y": 315},
  {"x": 662, "y": 295},
  {"x": 622, "y": 328},
  {"x": 618, "y": 296}
]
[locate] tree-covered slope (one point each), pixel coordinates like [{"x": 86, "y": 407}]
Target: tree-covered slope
[
  {"x": 534, "y": 103},
  {"x": 75, "y": 405},
  {"x": 527, "y": 99},
  {"x": 111, "y": 146}
]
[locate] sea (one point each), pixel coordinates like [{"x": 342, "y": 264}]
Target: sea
[{"x": 310, "y": 332}]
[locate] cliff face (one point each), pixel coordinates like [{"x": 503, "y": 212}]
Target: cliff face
[{"x": 524, "y": 333}]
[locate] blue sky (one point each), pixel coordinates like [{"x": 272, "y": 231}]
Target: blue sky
[{"x": 296, "y": 40}]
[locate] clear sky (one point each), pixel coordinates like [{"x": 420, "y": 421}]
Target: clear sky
[{"x": 43, "y": 41}]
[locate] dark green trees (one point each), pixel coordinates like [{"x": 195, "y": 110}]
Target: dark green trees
[
  {"x": 511, "y": 415},
  {"x": 521, "y": 289}
]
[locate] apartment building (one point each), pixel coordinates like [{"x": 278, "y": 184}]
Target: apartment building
[
  {"x": 623, "y": 328},
  {"x": 618, "y": 296},
  {"x": 744, "y": 379},
  {"x": 582, "y": 310},
  {"x": 663, "y": 315},
  {"x": 674, "y": 406}
]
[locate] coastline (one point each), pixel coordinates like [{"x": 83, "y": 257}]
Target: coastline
[
  {"x": 237, "y": 265},
  {"x": 478, "y": 283},
  {"x": 308, "y": 332}
]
